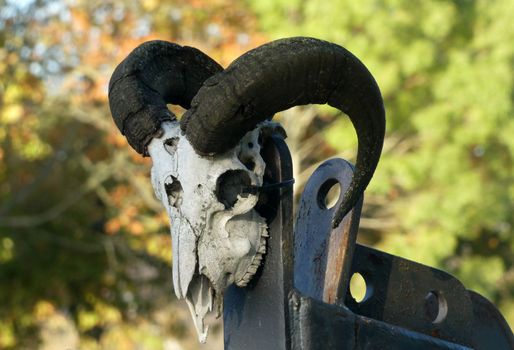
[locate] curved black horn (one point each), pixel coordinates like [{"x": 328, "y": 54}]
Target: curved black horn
[
  {"x": 283, "y": 74},
  {"x": 154, "y": 74}
]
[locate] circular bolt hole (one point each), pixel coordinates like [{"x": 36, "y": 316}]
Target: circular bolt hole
[
  {"x": 436, "y": 307},
  {"x": 329, "y": 194},
  {"x": 359, "y": 290}
]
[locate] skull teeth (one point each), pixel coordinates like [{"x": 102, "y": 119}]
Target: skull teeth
[{"x": 256, "y": 262}]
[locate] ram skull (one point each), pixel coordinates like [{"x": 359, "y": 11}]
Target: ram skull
[
  {"x": 204, "y": 166},
  {"x": 218, "y": 236}
]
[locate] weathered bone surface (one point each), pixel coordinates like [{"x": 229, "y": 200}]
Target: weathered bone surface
[{"x": 218, "y": 236}]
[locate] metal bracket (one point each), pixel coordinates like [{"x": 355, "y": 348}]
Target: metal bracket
[
  {"x": 300, "y": 298},
  {"x": 256, "y": 317},
  {"x": 407, "y": 305}
]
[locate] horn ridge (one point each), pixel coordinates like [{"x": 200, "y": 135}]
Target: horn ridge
[
  {"x": 152, "y": 75},
  {"x": 282, "y": 74}
]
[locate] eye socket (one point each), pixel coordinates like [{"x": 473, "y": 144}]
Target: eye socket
[
  {"x": 231, "y": 184},
  {"x": 170, "y": 145}
]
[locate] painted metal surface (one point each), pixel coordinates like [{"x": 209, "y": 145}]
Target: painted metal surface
[
  {"x": 321, "y": 326},
  {"x": 407, "y": 305},
  {"x": 324, "y": 255},
  {"x": 426, "y": 300},
  {"x": 256, "y": 317}
]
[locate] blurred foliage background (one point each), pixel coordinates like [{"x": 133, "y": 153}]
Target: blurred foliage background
[{"x": 85, "y": 251}]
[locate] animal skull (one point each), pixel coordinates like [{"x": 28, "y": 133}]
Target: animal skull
[
  {"x": 218, "y": 236},
  {"x": 204, "y": 164}
]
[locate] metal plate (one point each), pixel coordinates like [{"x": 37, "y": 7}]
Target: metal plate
[
  {"x": 407, "y": 305},
  {"x": 426, "y": 300},
  {"x": 320, "y": 326},
  {"x": 323, "y": 255},
  {"x": 255, "y": 317}
]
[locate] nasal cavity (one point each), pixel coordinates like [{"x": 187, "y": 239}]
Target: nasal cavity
[
  {"x": 231, "y": 184},
  {"x": 174, "y": 191}
]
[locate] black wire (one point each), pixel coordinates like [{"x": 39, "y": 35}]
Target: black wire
[{"x": 269, "y": 187}]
